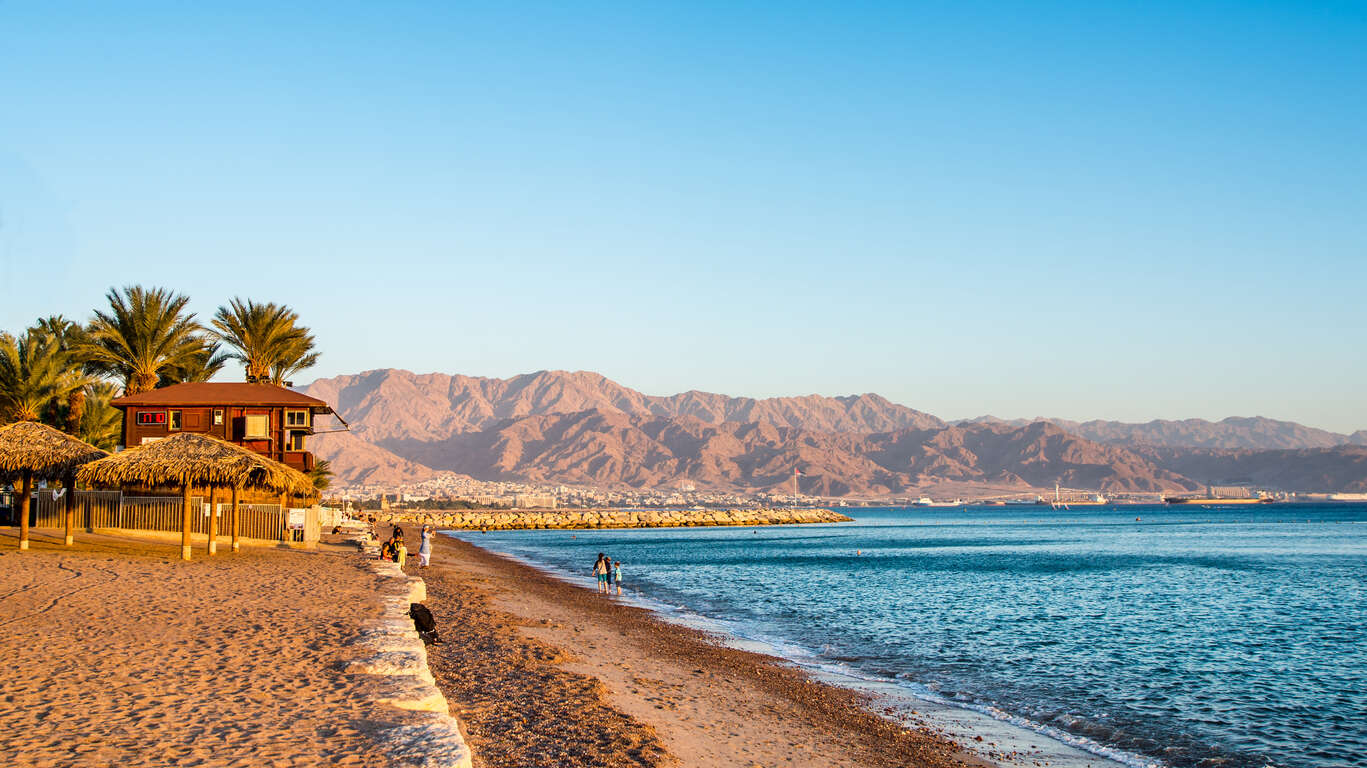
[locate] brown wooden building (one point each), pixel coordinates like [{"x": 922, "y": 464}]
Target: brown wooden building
[{"x": 273, "y": 421}]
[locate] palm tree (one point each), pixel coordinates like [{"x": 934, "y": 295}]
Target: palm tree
[
  {"x": 266, "y": 337},
  {"x": 33, "y": 374},
  {"x": 146, "y": 332},
  {"x": 295, "y": 357},
  {"x": 101, "y": 424},
  {"x": 70, "y": 337},
  {"x": 321, "y": 474},
  {"x": 206, "y": 362}
]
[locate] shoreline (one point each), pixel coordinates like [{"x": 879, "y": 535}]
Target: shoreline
[
  {"x": 530, "y": 652},
  {"x": 996, "y": 738}
]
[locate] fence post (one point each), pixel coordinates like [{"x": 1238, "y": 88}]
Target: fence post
[
  {"x": 70, "y": 482},
  {"x": 237, "y": 545}
]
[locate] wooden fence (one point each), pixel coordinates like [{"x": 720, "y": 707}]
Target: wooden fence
[{"x": 112, "y": 509}]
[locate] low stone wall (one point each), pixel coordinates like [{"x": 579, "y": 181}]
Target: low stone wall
[
  {"x": 392, "y": 670},
  {"x": 501, "y": 519}
]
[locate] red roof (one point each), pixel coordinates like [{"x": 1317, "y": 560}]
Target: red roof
[{"x": 222, "y": 393}]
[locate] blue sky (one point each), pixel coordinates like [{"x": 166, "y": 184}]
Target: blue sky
[{"x": 1129, "y": 211}]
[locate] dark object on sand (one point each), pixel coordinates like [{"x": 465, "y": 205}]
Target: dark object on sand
[{"x": 424, "y": 622}]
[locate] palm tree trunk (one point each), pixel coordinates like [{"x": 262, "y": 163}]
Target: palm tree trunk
[
  {"x": 75, "y": 411},
  {"x": 141, "y": 382}
]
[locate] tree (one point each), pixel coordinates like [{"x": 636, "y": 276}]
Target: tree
[
  {"x": 295, "y": 357},
  {"x": 147, "y": 332},
  {"x": 70, "y": 337},
  {"x": 101, "y": 424},
  {"x": 203, "y": 365},
  {"x": 34, "y": 376},
  {"x": 266, "y": 338},
  {"x": 321, "y": 474}
]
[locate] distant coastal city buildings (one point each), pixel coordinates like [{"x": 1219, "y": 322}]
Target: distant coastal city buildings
[
  {"x": 449, "y": 490},
  {"x": 462, "y": 489}
]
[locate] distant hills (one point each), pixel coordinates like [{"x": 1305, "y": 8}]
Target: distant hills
[
  {"x": 582, "y": 428},
  {"x": 1233, "y": 433}
]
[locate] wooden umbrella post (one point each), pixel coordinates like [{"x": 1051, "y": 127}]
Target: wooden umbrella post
[
  {"x": 284, "y": 517},
  {"x": 185, "y": 523},
  {"x": 237, "y": 545},
  {"x": 70, "y": 481},
  {"x": 25, "y": 492},
  {"x": 213, "y": 520}
]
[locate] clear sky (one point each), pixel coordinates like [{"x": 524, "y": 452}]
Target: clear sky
[{"x": 1075, "y": 209}]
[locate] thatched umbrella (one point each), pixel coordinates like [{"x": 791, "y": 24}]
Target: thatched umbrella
[
  {"x": 189, "y": 459},
  {"x": 29, "y": 451}
]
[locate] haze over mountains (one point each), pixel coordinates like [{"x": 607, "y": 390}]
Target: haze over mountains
[
  {"x": 1235, "y": 432},
  {"x": 582, "y": 428}
]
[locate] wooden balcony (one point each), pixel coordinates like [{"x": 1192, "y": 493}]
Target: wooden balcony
[{"x": 300, "y": 460}]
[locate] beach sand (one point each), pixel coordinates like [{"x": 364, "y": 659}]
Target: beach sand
[
  {"x": 116, "y": 653},
  {"x": 545, "y": 673}
]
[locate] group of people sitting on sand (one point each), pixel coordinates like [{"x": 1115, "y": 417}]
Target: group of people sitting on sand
[
  {"x": 609, "y": 574},
  {"x": 395, "y": 551}
]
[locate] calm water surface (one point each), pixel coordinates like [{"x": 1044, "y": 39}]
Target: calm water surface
[{"x": 1189, "y": 637}]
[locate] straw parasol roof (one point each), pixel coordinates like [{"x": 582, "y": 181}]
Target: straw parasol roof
[
  {"x": 42, "y": 450},
  {"x": 189, "y": 458}
]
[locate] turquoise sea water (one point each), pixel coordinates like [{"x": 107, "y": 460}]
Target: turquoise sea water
[{"x": 1188, "y": 637}]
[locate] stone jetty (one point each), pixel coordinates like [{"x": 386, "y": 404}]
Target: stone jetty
[{"x": 513, "y": 519}]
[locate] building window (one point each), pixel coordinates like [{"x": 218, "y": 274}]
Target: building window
[
  {"x": 151, "y": 418},
  {"x": 296, "y": 418},
  {"x": 256, "y": 427},
  {"x": 295, "y": 442},
  {"x": 218, "y": 417},
  {"x": 173, "y": 420}
]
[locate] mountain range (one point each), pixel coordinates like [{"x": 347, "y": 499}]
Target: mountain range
[
  {"x": 1234, "y": 433},
  {"x": 583, "y": 428}
]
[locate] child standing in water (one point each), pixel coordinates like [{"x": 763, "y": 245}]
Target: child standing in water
[{"x": 617, "y": 575}]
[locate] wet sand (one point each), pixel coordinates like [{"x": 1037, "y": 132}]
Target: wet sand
[
  {"x": 116, "y": 653},
  {"x": 545, "y": 673}
]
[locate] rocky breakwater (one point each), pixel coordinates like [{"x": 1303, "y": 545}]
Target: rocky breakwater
[{"x": 515, "y": 519}]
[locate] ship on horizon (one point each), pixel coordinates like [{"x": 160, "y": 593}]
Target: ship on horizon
[{"x": 926, "y": 501}]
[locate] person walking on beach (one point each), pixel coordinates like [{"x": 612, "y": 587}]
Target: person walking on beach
[
  {"x": 425, "y": 550},
  {"x": 600, "y": 569},
  {"x": 617, "y": 575},
  {"x": 607, "y": 565}
]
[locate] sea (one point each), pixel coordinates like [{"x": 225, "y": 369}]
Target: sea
[{"x": 1151, "y": 636}]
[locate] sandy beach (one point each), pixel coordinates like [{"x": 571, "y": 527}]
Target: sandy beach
[
  {"x": 115, "y": 653},
  {"x": 545, "y": 673}
]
